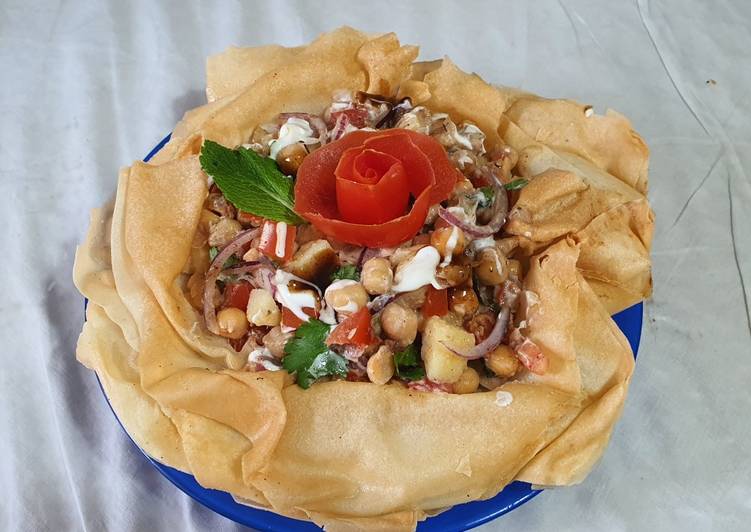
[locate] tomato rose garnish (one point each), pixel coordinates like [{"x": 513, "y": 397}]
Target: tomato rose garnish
[{"x": 374, "y": 188}]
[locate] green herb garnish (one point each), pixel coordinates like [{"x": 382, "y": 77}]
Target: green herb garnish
[
  {"x": 407, "y": 363},
  {"x": 214, "y": 251},
  {"x": 348, "y": 271},
  {"x": 516, "y": 184},
  {"x": 486, "y": 198},
  {"x": 251, "y": 182},
  {"x": 308, "y": 356}
]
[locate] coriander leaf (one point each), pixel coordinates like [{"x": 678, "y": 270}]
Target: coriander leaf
[
  {"x": 308, "y": 356},
  {"x": 488, "y": 193},
  {"x": 407, "y": 364},
  {"x": 516, "y": 184},
  {"x": 251, "y": 182},
  {"x": 348, "y": 271},
  {"x": 214, "y": 251}
]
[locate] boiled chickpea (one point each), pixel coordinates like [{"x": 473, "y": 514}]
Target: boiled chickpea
[
  {"x": 454, "y": 274},
  {"x": 492, "y": 268},
  {"x": 463, "y": 300},
  {"x": 399, "y": 323},
  {"x": 232, "y": 323},
  {"x": 290, "y": 158},
  {"x": 448, "y": 240},
  {"x": 346, "y": 297},
  {"x": 377, "y": 276},
  {"x": 502, "y": 361},
  {"x": 381, "y": 365},
  {"x": 468, "y": 382}
]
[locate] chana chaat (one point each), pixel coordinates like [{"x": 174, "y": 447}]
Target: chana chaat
[{"x": 365, "y": 244}]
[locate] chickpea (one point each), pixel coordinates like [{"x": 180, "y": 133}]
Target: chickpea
[
  {"x": 377, "y": 276},
  {"x": 468, "y": 382},
  {"x": 448, "y": 240},
  {"x": 381, "y": 365},
  {"x": 232, "y": 323},
  {"x": 262, "y": 309},
  {"x": 463, "y": 300},
  {"x": 290, "y": 158},
  {"x": 492, "y": 268},
  {"x": 346, "y": 297},
  {"x": 223, "y": 231},
  {"x": 414, "y": 299},
  {"x": 514, "y": 268},
  {"x": 502, "y": 361},
  {"x": 454, "y": 274},
  {"x": 275, "y": 340},
  {"x": 399, "y": 323}
]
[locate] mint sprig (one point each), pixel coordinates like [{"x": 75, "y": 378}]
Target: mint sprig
[{"x": 250, "y": 182}]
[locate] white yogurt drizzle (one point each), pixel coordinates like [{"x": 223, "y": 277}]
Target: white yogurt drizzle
[
  {"x": 263, "y": 356},
  {"x": 281, "y": 239},
  {"x": 292, "y": 131},
  {"x": 503, "y": 398},
  {"x": 450, "y": 246},
  {"x": 295, "y": 302},
  {"x": 418, "y": 271}
]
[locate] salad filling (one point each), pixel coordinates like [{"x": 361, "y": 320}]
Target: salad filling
[{"x": 365, "y": 244}]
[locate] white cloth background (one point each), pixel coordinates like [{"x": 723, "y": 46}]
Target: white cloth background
[{"x": 87, "y": 87}]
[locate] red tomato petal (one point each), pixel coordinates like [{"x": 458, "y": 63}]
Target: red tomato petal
[
  {"x": 364, "y": 200},
  {"x": 416, "y": 164},
  {"x": 446, "y": 174}
]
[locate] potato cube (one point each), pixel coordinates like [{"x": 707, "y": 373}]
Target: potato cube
[
  {"x": 262, "y": 309},
  {"x": 441, "y": 365}
]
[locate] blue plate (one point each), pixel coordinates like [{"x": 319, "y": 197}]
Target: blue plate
[{"x": 460, "y": 517}]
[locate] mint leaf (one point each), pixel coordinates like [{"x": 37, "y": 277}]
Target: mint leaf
[
  {"x": 407, "y": 364},
  {"x": 308, "y": 356},
  {"x": 516, "y": 184},
  {"x": 348, "y": 271},
  {"x": 250, "y": 182}
]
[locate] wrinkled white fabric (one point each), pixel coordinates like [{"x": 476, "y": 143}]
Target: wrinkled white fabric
[{"x": 89, "y": 86}]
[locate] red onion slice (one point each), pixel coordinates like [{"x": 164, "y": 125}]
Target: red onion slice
[
  {"x": 340, "y": 127},
  {"x": 380, "y": 302},
  {"x": 209, "y": 289},
  {"x": 491, "y": 342},
  {"x": 500, "y": 210}
]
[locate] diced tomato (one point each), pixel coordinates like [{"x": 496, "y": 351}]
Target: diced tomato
[
  {"x": 354, "y": 330},
  {"x": 290, "y": 319},
  {"x": 270, "y": 233},
  {"x": 246, "y": 218},
  {"x": 236, "y": 295},
  {"x": 436, "y": 303}
]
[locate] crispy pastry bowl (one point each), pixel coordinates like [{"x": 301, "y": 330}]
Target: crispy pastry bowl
[{"x": 355, "y": 455}]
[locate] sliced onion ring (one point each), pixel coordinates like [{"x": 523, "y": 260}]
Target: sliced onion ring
[
  {"x": 493, "y": 340},
  {"x": 500, "y": 210},
  {"x": 209, "y": 289}
]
